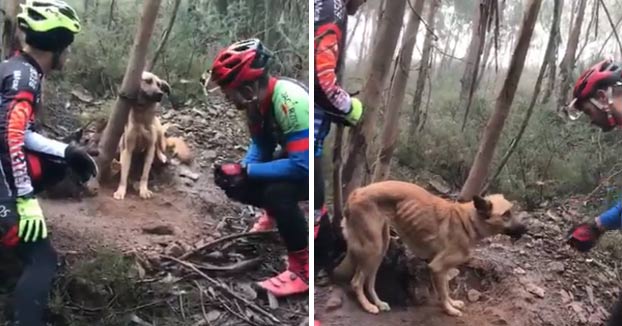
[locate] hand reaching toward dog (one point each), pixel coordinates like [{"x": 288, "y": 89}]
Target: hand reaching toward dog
[
  {"x": 230, "y": 177},
  {"x": 583, "y": 237},
  {"x": 81, "y": 162}
]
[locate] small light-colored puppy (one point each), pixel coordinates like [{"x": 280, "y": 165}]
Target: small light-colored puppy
[
  {"x": 431, "y": 227},
  {"x": 143, "y": 133}
]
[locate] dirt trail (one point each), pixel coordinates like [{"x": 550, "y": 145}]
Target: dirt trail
[{"x": 536, "y": 281}]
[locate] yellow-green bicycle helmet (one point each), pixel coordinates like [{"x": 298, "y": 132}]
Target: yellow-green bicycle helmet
[{"x": 49, "y": 25}]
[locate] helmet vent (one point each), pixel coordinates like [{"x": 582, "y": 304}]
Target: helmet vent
[{"x": 35, "y": 15}]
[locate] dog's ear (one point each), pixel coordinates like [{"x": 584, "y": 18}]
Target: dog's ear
[
  {"x": 164, "y": 86},
  {"x": 483, "y": 206}
]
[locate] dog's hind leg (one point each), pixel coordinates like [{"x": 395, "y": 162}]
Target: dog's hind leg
[
  {"x": 374, "y": 265},
  {"x": 143, "y": 191}
]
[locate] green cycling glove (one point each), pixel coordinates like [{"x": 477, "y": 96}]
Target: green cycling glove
[
  {"x": 31, "y": 221},
  {"x": 354, "y": 116}
]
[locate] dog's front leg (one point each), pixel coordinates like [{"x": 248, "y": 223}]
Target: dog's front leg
[
  {"x": 144, "y": 192},
  {"x": 440, "y": 265},
  {"x": 126, "y": 161}
]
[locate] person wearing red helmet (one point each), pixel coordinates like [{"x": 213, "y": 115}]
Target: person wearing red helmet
[
  {"x": 597, "y": 93},
  {"x": 277, "y": 111}
]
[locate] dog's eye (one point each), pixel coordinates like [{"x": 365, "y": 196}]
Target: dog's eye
[
  {"x": 507, "y": 214},
  {"x": 149, "y": 81}
]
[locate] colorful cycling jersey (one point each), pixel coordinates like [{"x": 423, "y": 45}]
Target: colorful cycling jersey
[
  {"x": 20, "y": 96},
  {"x": 330, "y": 27},
  {"x": 287, "y": 124}
]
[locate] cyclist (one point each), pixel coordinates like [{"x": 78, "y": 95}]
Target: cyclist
[
  {"x": 29, "y": 161},
  {"x": 277, "y": 110},
  {"x": 598, "y": 94}
]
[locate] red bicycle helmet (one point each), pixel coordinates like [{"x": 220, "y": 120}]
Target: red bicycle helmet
[
  {"x": 602, "y": 75},
  {"x": 241, "y": 62}
]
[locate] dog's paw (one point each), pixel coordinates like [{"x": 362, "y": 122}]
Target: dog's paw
[
  {"x": 458, "y": 304},
  {"x": 372, "y": 309},
  {"x": 145, "y": 193},
  {"x": 450, "y": 310},
  {"x": 383, "y": 306},
  {"x": 119, "y": 194}
]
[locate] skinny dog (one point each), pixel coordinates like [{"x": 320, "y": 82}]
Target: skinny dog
[{"x": 433, "y": 228}]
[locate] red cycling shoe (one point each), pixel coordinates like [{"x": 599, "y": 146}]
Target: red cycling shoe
[{"x": 295, "y": 280}]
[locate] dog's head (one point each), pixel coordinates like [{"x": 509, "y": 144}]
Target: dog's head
[
  {"x": 494, "y": 215},
  {"x": 152, "y": 88}
]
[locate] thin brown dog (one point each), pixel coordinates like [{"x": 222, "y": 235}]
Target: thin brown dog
[
  {"x": 433, "y": 228},
  {"x": 143, "y": 133}
]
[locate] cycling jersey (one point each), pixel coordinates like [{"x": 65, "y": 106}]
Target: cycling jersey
[
  {"x": 20, "y": 97},
  {"x": 285, "y": 122},
  {"x": 330, "y": 28}
]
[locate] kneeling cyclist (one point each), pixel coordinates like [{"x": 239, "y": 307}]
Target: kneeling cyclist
[
  {"x": 277, "y": 111},
  {"x": 28, "y": 160}
]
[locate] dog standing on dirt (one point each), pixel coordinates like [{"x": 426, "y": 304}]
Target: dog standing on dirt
[
  {"x": 143, "y": 133},
  {"x": 433, "y": 228}
]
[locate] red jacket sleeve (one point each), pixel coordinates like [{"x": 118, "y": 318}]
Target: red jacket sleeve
[{"x": 326, "y": 58}]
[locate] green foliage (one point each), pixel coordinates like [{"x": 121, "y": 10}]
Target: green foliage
[
  {"x": 554, "y": 158},
  {"x": 101, "y": 51}
]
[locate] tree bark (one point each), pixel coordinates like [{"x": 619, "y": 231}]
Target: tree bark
[
  {"x": 362, "y": 135},
  {"x": 551, "y": 48},
  {"x": 129, "y": 88},
  {"x": 165, "y": 36},
  {"x": 476, "y": 47},
  {"x": 221, "y": 6},
  {"x": 492, "y": 132},
  {"x": 568, "y": 62},
  {"x": 10, "y": 40},
  {"x": 552, "y": 63},
  {"x": 415, "y": 116},
  {"x": 390, "y": 130}
]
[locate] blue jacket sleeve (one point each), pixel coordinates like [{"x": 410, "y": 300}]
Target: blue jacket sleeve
[
  {"x": 258, "y": 151},
  {"x": 296, "y": 165},
  {"x": 611, "y": 219}
]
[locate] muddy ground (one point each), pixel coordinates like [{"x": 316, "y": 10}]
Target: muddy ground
[
  {"x": 187, "y": 211},
  {"x": 537, "y": 281}
]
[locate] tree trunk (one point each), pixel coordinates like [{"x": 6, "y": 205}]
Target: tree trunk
[
  {"x": 492, "y": 132},
  {"x": 551, "y": 48},
  {"x": 474, "y": 54},
  {"x": 129, "y": 88},
  {"x": 568, "y": 62},
  {"x": 552, "y": 63},
  {"x": 10, "y": 40},
  {"x": 165, "y": 36},
  {"x": 415, "y": 117},
  {"x": 390, "y": 131},
  {"x": 111, "y": 14},
  {"x": 362, "y": 135}
]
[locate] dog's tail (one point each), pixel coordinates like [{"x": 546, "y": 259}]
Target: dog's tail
[
  {"x": 345, "y": 270},
  {"x": 180, "y": 149}
]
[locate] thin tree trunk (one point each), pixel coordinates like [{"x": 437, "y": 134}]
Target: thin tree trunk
[
  {"x": 165, "y": 36},
  {"x": 476, "y": 47},
  {"x": 552, "y": 64},
  {"x": 129, "y": 88},
  {"x": 613, "y": 31},
  {"x": 492, "y": 132},
  {"x": 10, "y": 40},
  {"x": 613, "y": 26},
  {"x": 362, "y": 135},
  {"x": 568, "y": 62},
  {"x": 402, "y": 70},
  {"x": 111, "y": 14},
  {"x": 549, "y": 53},
  {"x": 415, "y": 117}
]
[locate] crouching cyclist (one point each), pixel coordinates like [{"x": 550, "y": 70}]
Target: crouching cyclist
[
  {"x": 277, "y": 110},
  {"x": 598, "y": 94},
  {"x": 29, "y": 161}
]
